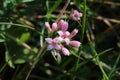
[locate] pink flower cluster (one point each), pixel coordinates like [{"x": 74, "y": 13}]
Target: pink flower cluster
[
  {"x": 63, "y": 38},
  {"x": 75, "y": 15}
]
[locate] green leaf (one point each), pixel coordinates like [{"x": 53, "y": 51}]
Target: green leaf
[
  {"x": 26, "y": 1},
  {"x": 57, "y": 59},
  {"x": 8, "y": 59},
  {"x": 4, "y": 27},
  {"x": 53, "y": 8},
  {"x": 15, "y": 40},
  {"x": 25, "y": 36},
  {"x": 6, "y": 2},
  {"x": 2, "y": 38}
]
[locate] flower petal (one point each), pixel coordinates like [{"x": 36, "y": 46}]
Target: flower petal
[
  {"x": 49, "y": 47},
  {"x": 67, "y": 33},
  {"x": 58, "y": 47},
  {"x": 58, "y": 39},
  {"x": 73, "y": 33},
  {"x": 57, "y": 54},
  {"x": 54, "y": 27},
  {"x": 67, "y": 40},
  {"x": 65, "y": 51},
  {"x": 48, "y": 26},
  {"x": 64, "y": 26},
  {"x": 60, "y": 23},
  {"x": 60, "y": 33},
  {"x": 75, "y": 15},
  {"x": 75, "y": 43},
  {"x": 49, "y": 40}
]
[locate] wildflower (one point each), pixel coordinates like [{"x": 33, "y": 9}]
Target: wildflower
[
  {"x": 48, "y": 26},
  {"x": 57, "y": 54},
  {"x": 64, "y": 26},
  {"x": 73, "y": 33},
  {"x": 75, "y": 43},
  {"x": 75, "y": 15},
  {"x": 65, "y": 51},
  {"x": 54, "y": 26},
  {"x": 60, "y": 23},
  {"x": 57, "y": 44},
  {"x": 54, "y": 43},
  {"x": 63, "y": 34}
]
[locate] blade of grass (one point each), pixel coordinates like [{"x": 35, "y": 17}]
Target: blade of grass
[
  {"x": 18, "y": 41},
  {"x": 20, "y": 25},
  {"x": 82, "y": 35},
  {"x": 57, "y": 3},
  {"x": 105, "y": 77},
  {"x": 99, "y": 54},
  {"x": 114, "y": 67}
]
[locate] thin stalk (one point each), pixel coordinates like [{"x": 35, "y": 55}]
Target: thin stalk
[
  {"x": 63, "y": 10},
  {"x": 82, "y": 35},
  {"x": 14, "y": 24},
  {"x": 18, "y": 41},
  {"x": 105, "y": 77},
  {"x": 83, "y": 22},
  {"x": 36, "y": 60},
  {"x": 114, "y": 67},
  {"x": 20, "y": 25}
]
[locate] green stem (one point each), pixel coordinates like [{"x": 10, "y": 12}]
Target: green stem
[
  {"x": 83, "y": 22},
  {"x": 36, "y": 60},
  {"x": 20, "y": 25},
  {"x": 105, "y": 77},
  {"x": 14, "y": 24},
  {"x": 82, "y": 35},
  {"x": 114, "y": 67}
]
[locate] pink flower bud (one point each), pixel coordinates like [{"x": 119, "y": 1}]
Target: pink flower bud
[
  {"x": 75, "y": 43},
  {"x": 65, "y": 51},
  {"x": 57, "y": 54},
  {"x": 75, "y": 15},
  {"x": 64, "y": 26},
  {"x": 48, "y": 26},
  {"x": 60, "y": 23},
  {"x": 73, "y": 33},
  {"x": 54, "y": 27}
]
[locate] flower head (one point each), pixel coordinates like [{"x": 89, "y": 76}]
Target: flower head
[
  {"x": 64, "y": 38},
  {"x": 48, "y": 26},
  {"x": 75, "y": 15},
  {"x": 65, "y": 51},
  {"x": 64, "y": 26},
  {"x": 54, "y": 43},
  {"x": 54, "y": 26},
  {"x": 60, "y": 23},
  {"x": 73, "y": 33}
]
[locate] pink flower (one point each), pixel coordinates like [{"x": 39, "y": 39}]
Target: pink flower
[
  {"x": 64, "y": 26},
  {"x": 57, "y": 54},
  {"x": 58, "y": 43},
  {"x": 73, "y": 33},
  {"x": 54, "y": 26},
  {"x": 65, "y": 51},
  {"x": 75, "y": 43},
  {"x": 48, "y": 26},
  {"x": 63, "y": 34},
  {"x": 75, "y": 15},
  {"x": 60, "y": 23},
  {"x": 54, "y": 43}
]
